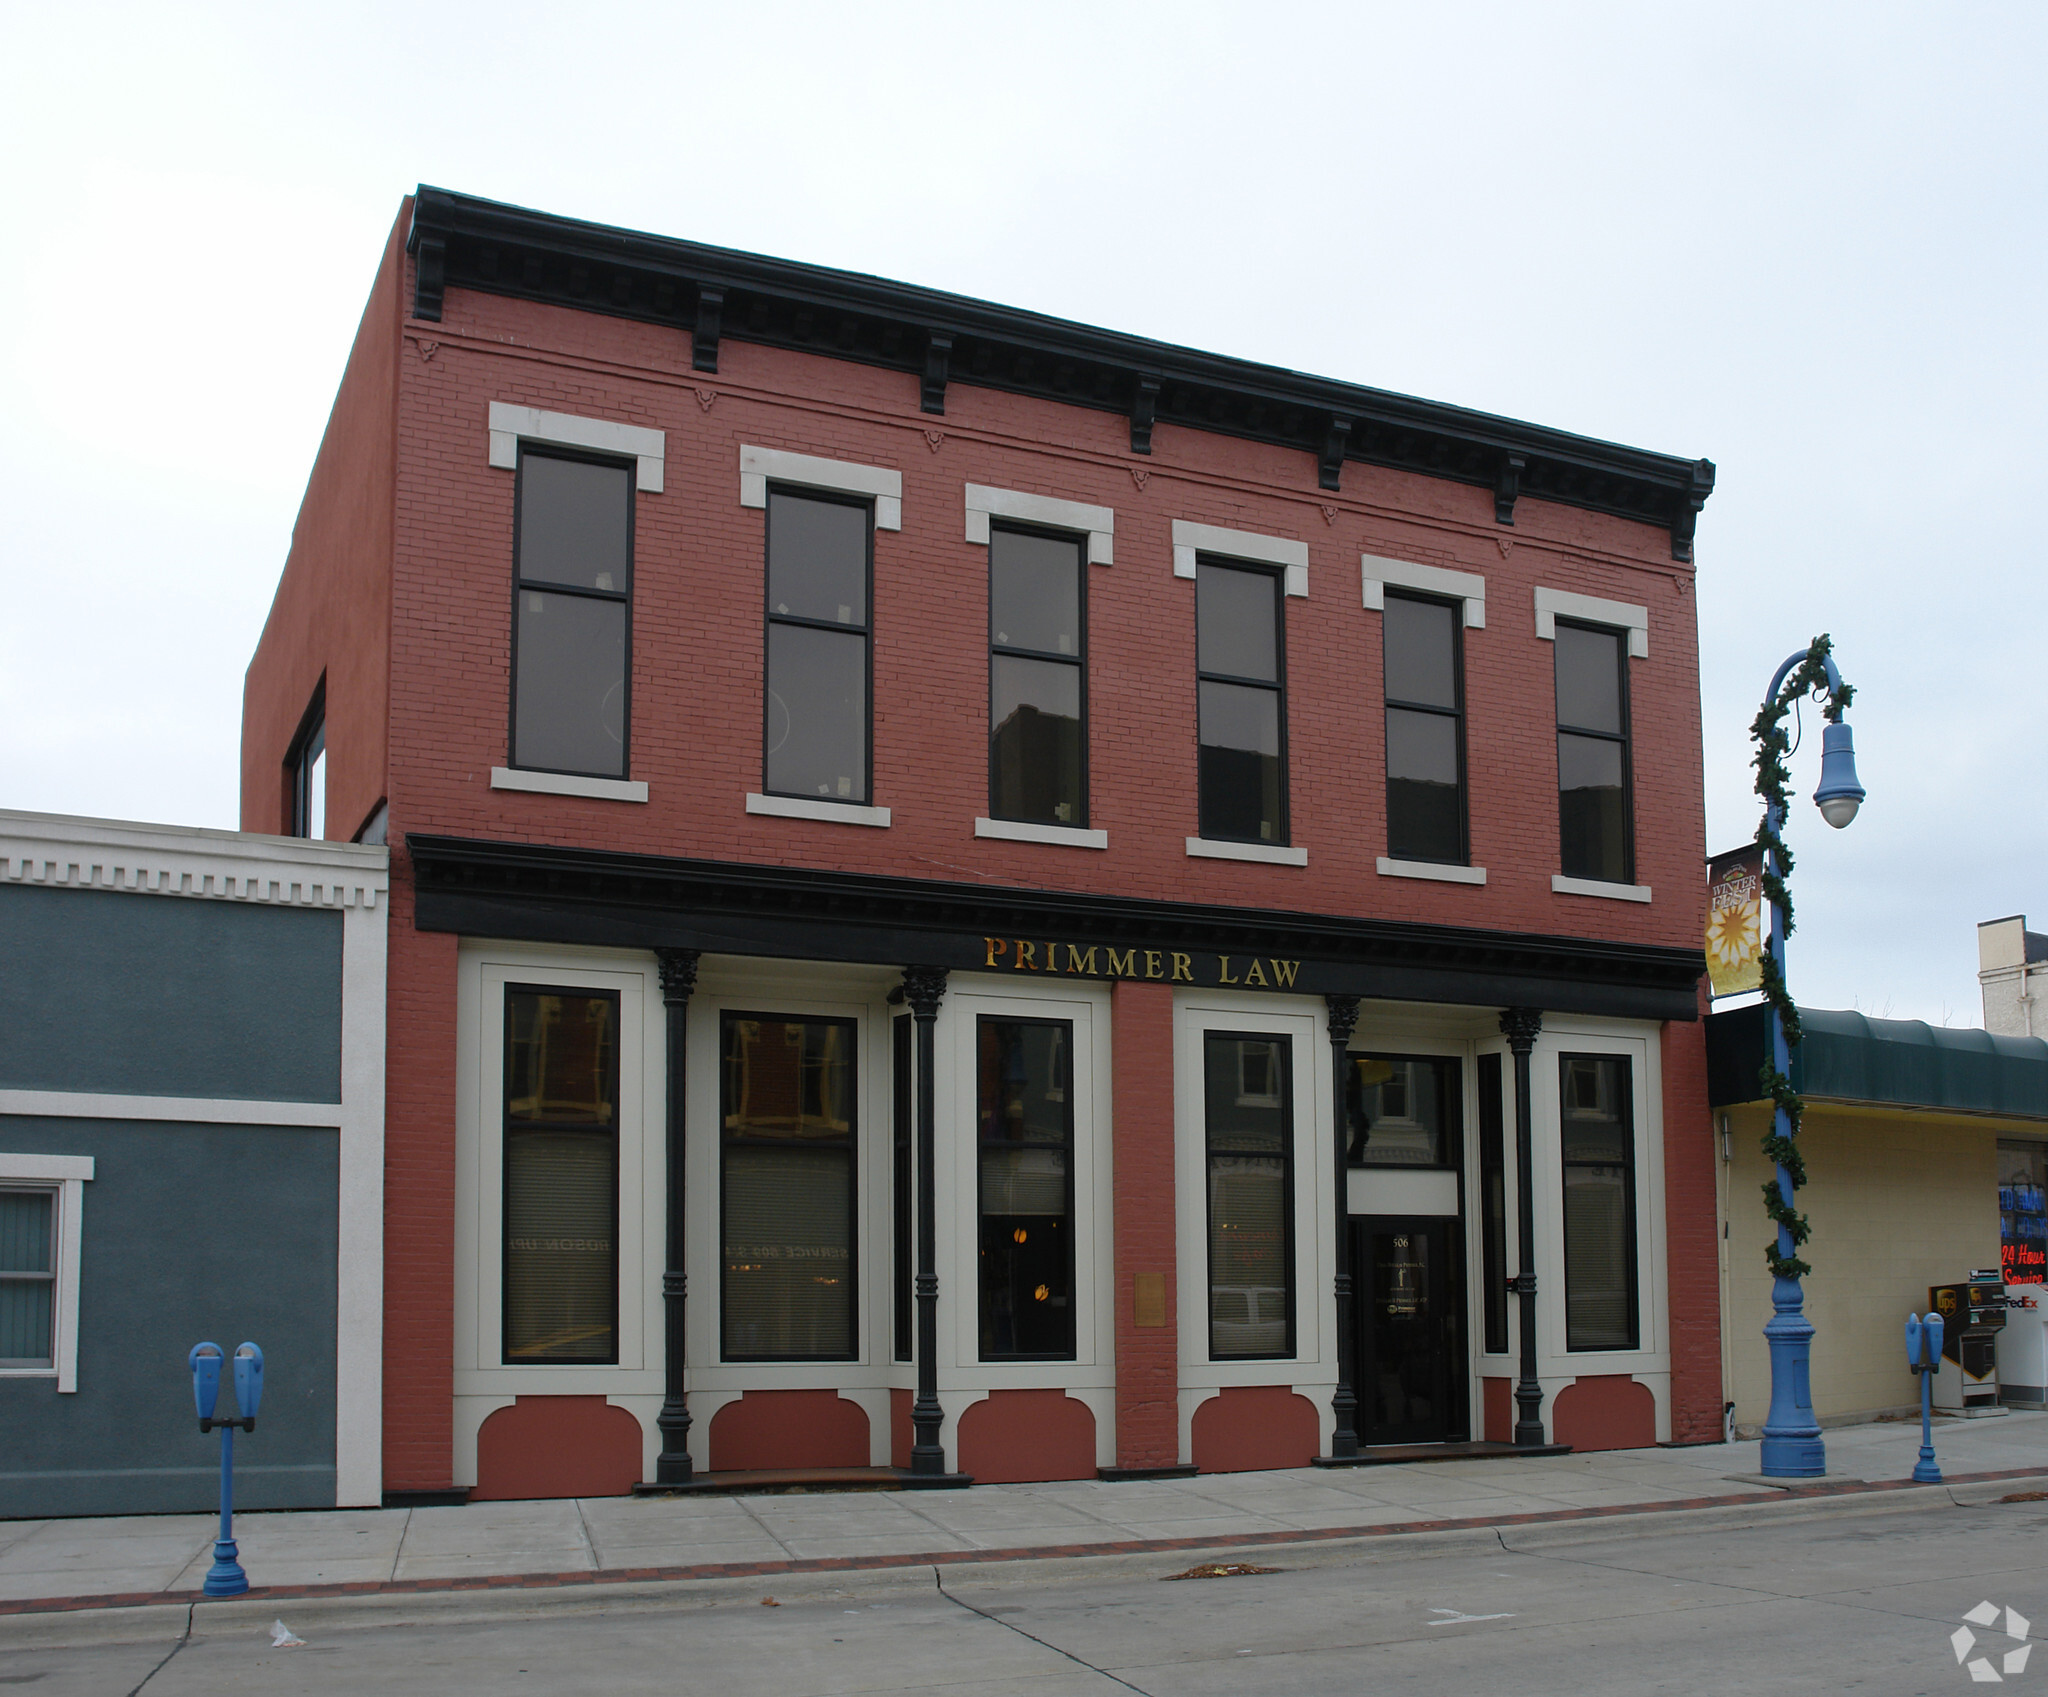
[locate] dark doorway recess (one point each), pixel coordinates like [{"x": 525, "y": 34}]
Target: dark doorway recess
[{"x": 1411, "y": 1332}]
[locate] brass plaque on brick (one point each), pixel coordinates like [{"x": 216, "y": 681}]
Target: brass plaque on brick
[{"x": 1149, "y": 1299}]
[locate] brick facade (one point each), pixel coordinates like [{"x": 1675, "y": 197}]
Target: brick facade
[{"x": 397, "y": 590}]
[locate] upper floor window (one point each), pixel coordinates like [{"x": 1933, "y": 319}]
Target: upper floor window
[
  {"x": 1425, "y": 729},
  {"x": 820, "y": 566},
  {"x": 1240, "y": 668},
  {"x": 306, "y": 771},
  {"x": 1037, "y": 678},
  {"x": 1596, "y": 835},
  {"x": 574, "y": 569},
  {"x": 28, "y": 1278}
]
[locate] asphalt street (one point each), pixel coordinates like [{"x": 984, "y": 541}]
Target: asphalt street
[{"x": 1850, "y": 1601}]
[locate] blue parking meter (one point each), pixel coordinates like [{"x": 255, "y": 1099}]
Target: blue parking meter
[
  {"x": 1923, "y": 1357},
  {"x": 226, "y": 1578},
  {"x": 248, "y": 1383}
]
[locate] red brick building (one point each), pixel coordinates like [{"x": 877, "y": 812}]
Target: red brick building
[{"x": 1195, "y": 839}]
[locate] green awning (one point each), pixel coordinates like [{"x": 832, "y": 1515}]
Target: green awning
[{"x": 1889, "y": 1063}]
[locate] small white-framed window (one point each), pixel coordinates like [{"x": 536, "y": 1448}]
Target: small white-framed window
[{"x": 42, "y": 1207}]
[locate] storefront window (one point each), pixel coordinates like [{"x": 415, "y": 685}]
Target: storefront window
[
  {"x": 1404, "y": 1111},
  {"x": 1026, "y": 1142},
  {"x": 1599, "y": 1203},
  {"x": 1249, "y": 1121},
  {"x": 2023, "y": 1211},
  {"x": 787, "y": 1113},
  {"x": 561, "y": 1176}
]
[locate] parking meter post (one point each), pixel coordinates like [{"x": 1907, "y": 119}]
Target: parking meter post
[
  {"x": 226, "y": 1578},
  {"x": 1923, "y": 1354}
]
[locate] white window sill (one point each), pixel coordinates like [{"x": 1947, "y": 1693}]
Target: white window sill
[
  {"x": 832, "y": 812},
  {"x": 1061, "y": 836},
  {"x": 1204, "y": 848},
  {"x": 1564, "y": 886},
  {"x": 566, "y": 783},
  {"x": 1432, "y": 870}
]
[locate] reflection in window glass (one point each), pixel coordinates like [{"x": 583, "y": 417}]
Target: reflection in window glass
[
  {"x": 561, "y": 1175},
  {"x": 1026, "y": 1142},
  {"x": 1405, "y": 1111},
  {"x": 1597, "y": 1139},
  {"x": 570, "y": 623},
  {"x": 1425, "y": 731},
  {"x": 2022, "y": 1211},
  {"x": 28, "y": 1277},
  {"x": 815, "y": 736},
  {"x": 786, "y": 1188},
  {"x": 1595, "y": 831},
  {"x": 1241, "y": 769},
  {"x": 1037, "y": 679},
  {"x": 1249, "y": 1135}
]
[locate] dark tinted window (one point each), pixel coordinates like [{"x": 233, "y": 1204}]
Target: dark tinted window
[
  {"x": 1598, "y": 1145},
  {"x": 1026, "y": 1121},
  {"x": 570, "y": 618},
  {"x": 787, "y": 1115},
  {"x": 561, "y": 1175},
  {"x": 1037, "y": 688},
  {"x": 1248, "y": 1115},
  {"x": 1595, "y": 829},
  {"x": 28, "y": 1277},
  {"x": 815, "y": 740},
  {"x": 1242, "y": 771},
  {"x": 1407, "y": 1112},
  {"x": 1493, "y": 1203},
  {"x": 1425, "y": 730}
]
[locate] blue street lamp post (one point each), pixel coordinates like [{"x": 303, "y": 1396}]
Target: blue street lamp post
[
  {"x": 1792, "y": 1447},
  {"x": 226, "y": 1578},
  {"x": 1923, "y": 1355}
]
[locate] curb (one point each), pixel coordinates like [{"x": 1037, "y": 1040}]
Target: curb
[{"x": 50, "y": 1622}]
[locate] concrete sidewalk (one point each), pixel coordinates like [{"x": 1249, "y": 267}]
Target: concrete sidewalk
[{"x": 55, "y": 1565}]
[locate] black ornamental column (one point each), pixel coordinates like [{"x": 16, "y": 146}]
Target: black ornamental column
[
  {"x": 923, "y": 988},
  {"x": 1520, "y": 1026},
  {"x": 1344, "y": 1402},
  {"x": 672, "y": 1466}
]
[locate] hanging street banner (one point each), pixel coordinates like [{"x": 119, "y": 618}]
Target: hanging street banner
[{"x": 1735, "y": 895}]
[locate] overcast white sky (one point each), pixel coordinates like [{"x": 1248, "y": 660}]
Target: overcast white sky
[{"x": 1807, "y": 246}]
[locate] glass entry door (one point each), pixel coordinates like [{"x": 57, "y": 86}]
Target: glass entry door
[{"x": 1409, "y": 1312}]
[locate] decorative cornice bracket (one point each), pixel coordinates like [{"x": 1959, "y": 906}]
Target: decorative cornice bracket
[
  {"x": 704, "y": 340},
  {"x": 429, "y": 278},
  {"x": 1144, "y": 410},
  {"x": 938, "y": 352},
  {"x": 1507, "y": 487},
  {"x": 1685, "y": 516},
  {"x": 1330, "y": 464}
]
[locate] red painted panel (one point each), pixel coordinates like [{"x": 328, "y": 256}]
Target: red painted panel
[
  {"x": 557, "y": 1446},
  {"x": 1606, "y": 1411},
  {"x": 1499, "y": 1404},
  {"x": 1250, "y": 1427},
  {"x": 1013, "y": 1436},
  {"x": 789, "y": 1429},
  {"x": 1692, "y": 1255},
  {"x": 1147, "y": 1357}
]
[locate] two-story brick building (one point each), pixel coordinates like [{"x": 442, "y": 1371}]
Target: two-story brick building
[{"x": 961, "y": 881}]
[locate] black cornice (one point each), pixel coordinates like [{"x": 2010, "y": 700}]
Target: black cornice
[
  {"x": 710, "y": 293},
  {"x": 533, "y": 892}
]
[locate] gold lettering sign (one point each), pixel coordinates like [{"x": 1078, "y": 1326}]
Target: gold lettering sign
[{"x": 1174, "y": 966}]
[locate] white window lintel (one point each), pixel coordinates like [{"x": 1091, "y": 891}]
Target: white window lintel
[
  {"x": 1377, "y": 572},
  {"x": 1553, "y": 604},
  {"x": 984, "y": 503},
  {"x": 568, "y": 783},
  {"x": 511, "y": 425},
  {"x": 761, "y": 466},
  {"x": 830, "y": 812},
  {"x": 1190, "y": 539}
]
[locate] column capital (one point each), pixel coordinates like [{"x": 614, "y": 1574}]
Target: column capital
[
  {"x": 923, "y": 988},
  {"x": 1520, "y": 1027},
  {"x": 1343, "y": 1018},
  {"x": 678, "y": 974}
]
